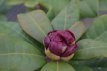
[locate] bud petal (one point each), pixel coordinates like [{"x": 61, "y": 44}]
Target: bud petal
[
  {"x": 60, "y": 44},
  {"x": 47, "y": 41},
  {"x": 56, "y": 48},
  {"x": 70, "y": 50},
  {"x": 67, "y": 58},
  {"x": 51, "y": 55}
]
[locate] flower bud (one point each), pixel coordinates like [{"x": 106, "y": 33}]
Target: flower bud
[{"x": 60, "y": 45}]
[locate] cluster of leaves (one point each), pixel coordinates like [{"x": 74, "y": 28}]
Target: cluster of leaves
[
  {"x": 88, "y": 8},
  {"x": 23, "y": 50}
]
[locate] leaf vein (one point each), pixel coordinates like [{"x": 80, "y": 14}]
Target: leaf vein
[{"x": 21, "y": 54}]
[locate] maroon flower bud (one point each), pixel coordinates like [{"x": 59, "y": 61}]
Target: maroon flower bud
[{"x": 60, "y": 45}]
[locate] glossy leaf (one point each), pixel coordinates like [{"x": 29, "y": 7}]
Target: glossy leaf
[
  {"x": 36, "y": 24},
  {"x": 57, "y": 66},
  {"x": 83, "y": 68},
  {"x": 103, "y": 5},
  {"x": 90, "y": 65},
  {"x": 10, "y": 27},
  {"x": 13, "y": 2},
  {"x": 28, "y": 3},
  {"x": 98, "y": 28},
  {"x": 89, "y": 49},
  {"x": 31, "y": 3},
  {"x": 102, "y": 37},
  {"x": 13, "y": 29},
  {"x": 18, "y": 55},
  {"x": 94, "y": 63},
  {"x": 67, "y": 17},
  {"x": 82, "y": 65},
  {"x": 88, "y": 8},
  {"x": 78, "y": 29},
  {"x": 57, "y": 5}
]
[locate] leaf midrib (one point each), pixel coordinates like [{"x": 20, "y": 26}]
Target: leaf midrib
[
  {"x": 14, "y": 31},
  {"x": 65, "y": 23},
  {"x": 101, "y": 35},
  {"x": 57, "y": 66},
  {"x": 90, "y": 48},
  {"x": 5, "y": 54},
  {"x": 37, "y": 25}
]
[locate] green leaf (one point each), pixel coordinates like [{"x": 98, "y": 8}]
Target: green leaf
[
  {"x": 88, "y": 8},
  {"x": 83, "y": 68},
  {"x": 18, "y": 55},
  {"x": 13, "y": 2},
  {"x": 3, "y": 6},
  {"x": 13, "y": 29},
  {"x": 93, "y": 63},
  {"x": 57, "y": 66},
  {"x": 101, "y": 69},
  {"x": 82, "y": 65},
  {"x": 102, "y": 62},
  {"x": 103, "y": 5},
  {"x": 98, "y": 28},
  {"x": 36, "y": 24},
  {"x": 102, "y": 37},
  {"x": 98, "y": 62},
  {"x": 53, "y": 6},
  {"x": 78, "y": 29},
  {"x": 67, "y": 17},
  {"x": 28, "y": 3},
  {"x": 89, "y": 49},
  {"x": 31, "y": 3},
  {"x": 57, "y": 5},
  {"x": 3, "y": 18}
]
